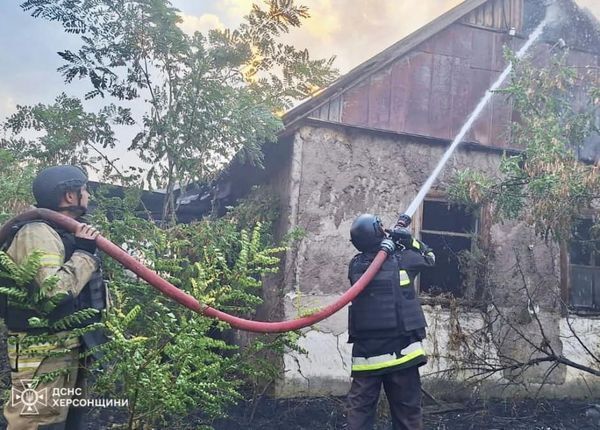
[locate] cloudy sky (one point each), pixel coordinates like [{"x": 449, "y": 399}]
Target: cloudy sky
[{"x": 353, "y": 30}]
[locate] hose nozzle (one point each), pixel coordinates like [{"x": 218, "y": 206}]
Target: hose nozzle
[{"x": 404, "y": 220}]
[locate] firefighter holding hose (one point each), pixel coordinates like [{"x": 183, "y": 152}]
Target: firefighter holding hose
[
  {"x": 71, "y": 259},
  {"x": 386, "y": 325}
]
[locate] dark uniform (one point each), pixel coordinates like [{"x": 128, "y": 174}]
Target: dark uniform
[{"x": 386, "y": 327}]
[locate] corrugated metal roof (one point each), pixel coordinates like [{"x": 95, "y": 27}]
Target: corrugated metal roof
[{"x": 366, "y": 69}]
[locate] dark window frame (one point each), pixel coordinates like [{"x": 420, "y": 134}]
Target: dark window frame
[
  {"x": 592, "y": 268},
  {"x": 471, "y": 235}
]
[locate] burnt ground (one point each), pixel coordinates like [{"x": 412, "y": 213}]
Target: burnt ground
[{"x": 328, "y": 414}]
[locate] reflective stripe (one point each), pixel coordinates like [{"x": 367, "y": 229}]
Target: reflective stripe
[
  {"x": 386, "y": 360},
  {"x": 24, "y": 362},
  {"x": 404, "y": 278},
  {"x": 416, "y": 244},
  {"x": 51, "y": 260},
  {"x": 40, "y": 347},
  {"x": 12, "y": 357},
  {"x": 26, "y": 368},
  {"x": 431, "y": 255},
  {"x": 24, "y": 359},
  {"x": 415, "y": 346}
]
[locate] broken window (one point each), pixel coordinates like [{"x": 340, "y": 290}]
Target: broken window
[
  {"x": 448, "y": 229},
  {"x": 585, "y": 267}
]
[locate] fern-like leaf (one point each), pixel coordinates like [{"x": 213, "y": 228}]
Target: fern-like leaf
[
  {"x": 77, "y": 318},
  {"x": 14, "y": 293}
]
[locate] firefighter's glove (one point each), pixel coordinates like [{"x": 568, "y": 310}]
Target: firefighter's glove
[
  {"x": 388, "y": 246},
  {"x": 88, "y": 245},
  {"x": 403, "y": 221},
  {"x": 430, "y": 257},
  {"x": 402, "y": 236},
  {"x": 85, "y": 238}
]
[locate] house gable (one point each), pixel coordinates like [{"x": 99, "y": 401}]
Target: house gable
[{"x": 428, "y": 83}]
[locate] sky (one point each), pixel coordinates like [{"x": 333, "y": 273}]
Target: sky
[{"x": 352, "y": 30}]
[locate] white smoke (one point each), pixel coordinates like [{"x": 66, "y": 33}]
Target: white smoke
[{"x": 591, "y": 5}]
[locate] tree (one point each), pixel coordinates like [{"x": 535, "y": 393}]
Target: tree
[
  {"x": 167, "y": 361},
  {"x": 546, "y": 187},
  {"x": 15, "y": 182},
  {"x": 67, "y": 134},
  {"x": 209, "y": 98}
]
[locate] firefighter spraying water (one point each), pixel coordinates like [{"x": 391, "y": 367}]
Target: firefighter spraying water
[
  {"x": 386, "y": 328},
  {"x": 276, "y": 327},
  {"x": 386, "y": 324}
]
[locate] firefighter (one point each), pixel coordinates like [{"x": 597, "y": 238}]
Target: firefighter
[
  {"x": 71, "y": 258},
  {"x": 386, "y": 325}
]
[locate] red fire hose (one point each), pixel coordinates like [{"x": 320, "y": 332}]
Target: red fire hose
[{"x": 190, "y": 302}]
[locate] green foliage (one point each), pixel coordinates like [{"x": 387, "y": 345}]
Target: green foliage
[
  {"x": 469, "y": 187},
  {"x": 260, "y": 205},
  {"x": 545, "y": 185},
  {"x": 309, "y": 311},
  {"x": 15, "y": 181},
  {"x": 19, "y": 285},
  {"x": 22, "y": 274},
  {"x": 165, "y": 359},
  {"x": 209, "y": 97},
  {"x": 69, "y": 135}
]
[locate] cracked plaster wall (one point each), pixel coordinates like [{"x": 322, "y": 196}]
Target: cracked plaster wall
[{"x": 337, "y": 173}]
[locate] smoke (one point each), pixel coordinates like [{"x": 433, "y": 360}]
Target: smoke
[
  {"x": 591, "y": 5},
  {"x": 554, "y": 13},
  {"x": 353, "y": 31},
  {"x": 356, "y": 32}
]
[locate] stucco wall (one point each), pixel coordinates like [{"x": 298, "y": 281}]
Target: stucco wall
[{"x": 337, "y": 173}]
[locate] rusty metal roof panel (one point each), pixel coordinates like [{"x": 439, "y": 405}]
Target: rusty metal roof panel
[
  {"x": 354, "y": 108},
  {"x": 454, "y": 41},
  {"x": 399, "y": 93},
  {"x": 379, "y": 99},
  {"x": 419, "y": 75},
  {"x": 461, "y": 95},
  {"x": 440, "y": 98},
  {"x": 481, "y": 80}
]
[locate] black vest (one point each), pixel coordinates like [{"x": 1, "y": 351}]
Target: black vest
[
  {"x": 93, "y": 295},
  {"x": 384, "y": 308}
]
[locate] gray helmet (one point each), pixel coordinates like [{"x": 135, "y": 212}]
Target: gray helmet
[
  {"x": 51, "y": 184},
  {"x": 367, "y": 232}
]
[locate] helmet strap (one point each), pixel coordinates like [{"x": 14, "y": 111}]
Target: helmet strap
[{"x": 76, "y": 210}]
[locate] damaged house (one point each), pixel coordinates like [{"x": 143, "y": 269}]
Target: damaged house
[{"x": 367, "y": 144}]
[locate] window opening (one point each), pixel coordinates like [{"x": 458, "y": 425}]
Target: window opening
[
  {"x": 449, "y": 230},
  {"x": 584, "y": 270}
]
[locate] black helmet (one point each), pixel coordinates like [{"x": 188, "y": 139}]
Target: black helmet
[
  {"x": 366, "y": 232},
  {"x": 52, "y": 183}
]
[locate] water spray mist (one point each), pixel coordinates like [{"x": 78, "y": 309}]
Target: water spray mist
[{"x": 552, "y": 13}]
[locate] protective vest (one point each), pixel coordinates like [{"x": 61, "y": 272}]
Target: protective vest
[
  {"x": 388, "y": 306},
  {"x": 93, "y": 295}
]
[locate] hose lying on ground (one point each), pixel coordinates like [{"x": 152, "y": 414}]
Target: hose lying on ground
[{"x": 185, "y": 299}]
